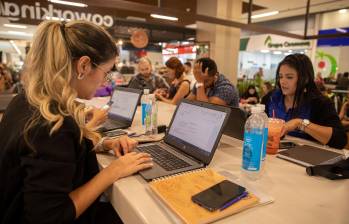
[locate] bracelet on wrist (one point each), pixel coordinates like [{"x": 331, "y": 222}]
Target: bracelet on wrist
[{"x": 99, "y": 147}]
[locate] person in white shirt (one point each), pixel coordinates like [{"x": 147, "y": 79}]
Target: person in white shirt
[{"x": 189, "y": 73}]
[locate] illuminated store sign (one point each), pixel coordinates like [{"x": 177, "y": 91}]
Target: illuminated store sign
[
  {"x": 36, "y": 11},
  {"x": 285, "y": 44},
  {"x": 272, "y": 42}
]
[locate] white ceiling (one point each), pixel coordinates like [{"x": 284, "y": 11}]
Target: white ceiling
[
  {"x": 7, "y": 47},
  {"x": 289, "y": 8},
  {"x": 21, "y": 34}
]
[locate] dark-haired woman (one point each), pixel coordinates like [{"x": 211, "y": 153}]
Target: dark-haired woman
[
  {"x": 250, "y": 96},
  {"x": 297, "y": 100},
  {"x": 180, "y": 86}
]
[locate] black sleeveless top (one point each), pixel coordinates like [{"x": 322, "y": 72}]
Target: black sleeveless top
[{"x": 173, "y": 89}]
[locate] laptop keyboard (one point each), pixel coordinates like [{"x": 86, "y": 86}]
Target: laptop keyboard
[
  {"x": 166, "y": 160},
  {"x": 112, "y": 124}
]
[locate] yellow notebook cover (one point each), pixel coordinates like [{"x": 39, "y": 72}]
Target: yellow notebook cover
[{"x": 176, "y": 192}]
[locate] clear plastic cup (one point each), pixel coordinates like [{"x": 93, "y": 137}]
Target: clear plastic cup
[{"x": 275, "y": 127}]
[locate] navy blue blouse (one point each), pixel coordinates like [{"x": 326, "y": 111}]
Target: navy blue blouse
[
  {"x": 276, "y": 105},
  {"x": 319, "y": 110}
]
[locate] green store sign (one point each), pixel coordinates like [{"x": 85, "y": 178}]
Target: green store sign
[
  {"x": 256, "y": 43},
  {"x": 327, "y": 62},
  {"x": 270, "y": 44}
]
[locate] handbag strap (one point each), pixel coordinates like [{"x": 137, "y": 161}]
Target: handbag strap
[{"x": 336, "y": 171}]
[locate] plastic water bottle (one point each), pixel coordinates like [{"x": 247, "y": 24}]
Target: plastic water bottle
[
  {"x": 148, "y": 117},
  {"x": 265, "y": 134},
  {"x": 144, "y": 102},
  {"x": 154, "y": 116},
  {"x": 252, "y": 147}
]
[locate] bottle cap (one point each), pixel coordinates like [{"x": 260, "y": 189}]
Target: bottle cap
[
  {"x": 146, "y": 91},
  {"x": 105, "y": 107},
  {"x": 255, "y": 110},
  {"x": 262, "y": 106}
]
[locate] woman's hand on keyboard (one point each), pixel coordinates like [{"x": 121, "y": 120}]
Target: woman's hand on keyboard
[
  {"x": 129, "y": 164},
  {"x": 121, "y": 146}
]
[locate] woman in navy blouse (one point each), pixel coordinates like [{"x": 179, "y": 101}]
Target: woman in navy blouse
[{"x": 297, "y": 100}]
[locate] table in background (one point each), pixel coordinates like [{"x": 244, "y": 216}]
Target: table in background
[{"x": 298, "y": 197}]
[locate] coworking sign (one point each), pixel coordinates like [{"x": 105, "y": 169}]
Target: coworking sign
[{"x": 14, "y": 12}]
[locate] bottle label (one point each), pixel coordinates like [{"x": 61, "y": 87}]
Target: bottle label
[
  {"x": 265, "y": 140},
  {"x": 252, "y": 151},
  {"x": 144, "y": 106},
  {"x": 148, "y": 115}
]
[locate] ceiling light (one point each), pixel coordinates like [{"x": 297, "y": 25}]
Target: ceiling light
[
  {"x": 120, "y": 42},
  {"x": 15, "y": 47},
  {"x": 341, "y": 30},
  {"x": 19, "y": 33},
  {"x": 157, "y": 16},
  {"x": 342, "y": 11},
  {"x": 192, "y": 26},
  {"x": 56, "y": 18},
  {"x": 277, "y": 52},
  {"x": 265, "y": 51},
  {"x": 15, "y": 26},
  {"x": 265, "y": 14},
  {"x": 191, "y": 38},
  {"x": 77, "y": 4},
  {"x": 290, "y": 51},
  {"x": 135, "y": 18}
]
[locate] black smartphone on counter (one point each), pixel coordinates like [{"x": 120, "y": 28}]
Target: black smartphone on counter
[{"x": 218, "y": 195}]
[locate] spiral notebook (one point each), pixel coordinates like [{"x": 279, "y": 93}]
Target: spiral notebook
[{"x": 176, "y": 192}]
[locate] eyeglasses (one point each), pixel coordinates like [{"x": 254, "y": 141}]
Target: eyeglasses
[{"x": 107, "y": 75}]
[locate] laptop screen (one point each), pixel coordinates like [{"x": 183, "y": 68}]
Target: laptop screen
[
  {"x": 195, "y": 129},
  {"x": 236, "y": 123},
  {"x": 124, "y": 104}
]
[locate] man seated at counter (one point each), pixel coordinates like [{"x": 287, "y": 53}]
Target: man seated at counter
[
  {"x": 211, "y": 86},
  {"x": 308, "y": 114},
  {"x": 145, "y": 79}
]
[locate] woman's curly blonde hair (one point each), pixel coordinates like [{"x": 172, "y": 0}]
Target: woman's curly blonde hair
[{"x": 49, "y": 71}]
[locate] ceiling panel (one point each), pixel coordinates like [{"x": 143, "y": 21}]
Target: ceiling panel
[{"x": 294, "y": 7}]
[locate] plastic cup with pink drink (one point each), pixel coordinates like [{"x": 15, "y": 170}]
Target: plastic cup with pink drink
[{"x": 275, "y": 127}]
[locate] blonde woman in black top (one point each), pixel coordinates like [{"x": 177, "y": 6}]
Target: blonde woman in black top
[{"x": 48, "y": 167}]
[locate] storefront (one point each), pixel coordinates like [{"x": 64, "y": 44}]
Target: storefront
[
  {"x": 266, "y": 51},
  {"x": 183, "y": 52},
  {"x": 332, "y": 54}
]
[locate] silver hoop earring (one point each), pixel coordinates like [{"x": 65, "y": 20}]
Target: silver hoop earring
[{"x": 80, "y": 76}]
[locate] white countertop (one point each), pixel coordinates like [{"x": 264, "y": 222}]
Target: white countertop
[{"x": 298, "y": 197}]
